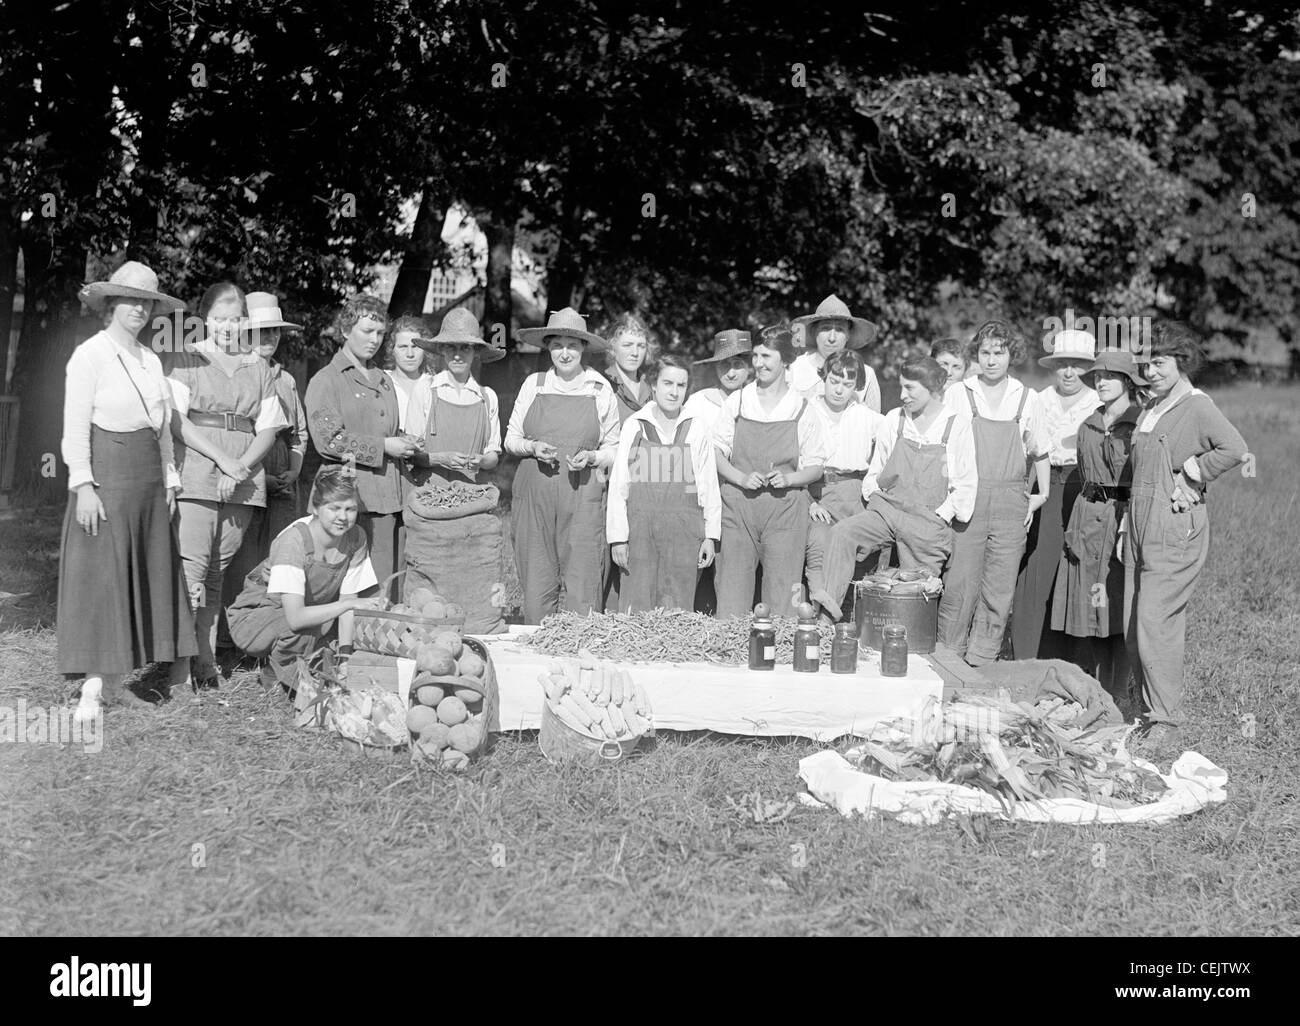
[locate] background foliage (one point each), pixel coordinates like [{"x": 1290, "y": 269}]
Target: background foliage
[{"x": 929, "y": 162}]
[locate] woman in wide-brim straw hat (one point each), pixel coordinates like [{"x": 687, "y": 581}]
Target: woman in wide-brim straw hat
[
  {"x": 455, "y": 415},
  {"x": 829, "y": 330},
  {"x": 229, "y": 417},
  {"x": 1090, "y": 564},
  {"x": 1065, "y": 405},
  {"x": 564, "y": 427},
  {"x": 282, "y": 465},
  {"x": 122, "y": 601}
]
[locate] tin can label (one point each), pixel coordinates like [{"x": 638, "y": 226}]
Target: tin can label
[
  {"x": 812, "y": 652},
  {"x": 769, "y": 652}
]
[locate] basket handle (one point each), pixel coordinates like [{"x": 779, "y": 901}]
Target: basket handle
[{"x": 607, "y": 755}]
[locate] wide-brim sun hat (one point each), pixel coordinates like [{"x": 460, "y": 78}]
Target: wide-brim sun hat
[
  {"x": 264, "y": 312},
  {"x": 861, "y": 331},
  {"x": 729, "y": 343},
  {"x": 460, "y": 327},
  {"x": 133, "y": 280},
  {"x": 1117, "y": 361},
  {"x": 566, "y": 323},
  {"x": 1070, "y": 344}
]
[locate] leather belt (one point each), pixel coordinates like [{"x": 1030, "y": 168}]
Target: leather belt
[
  {"x": 831, "y": 476},
  {"x": 227, "y": 421},
  {"x": 1104, "y": 493}
]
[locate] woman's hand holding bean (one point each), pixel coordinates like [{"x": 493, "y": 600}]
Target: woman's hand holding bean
[
  {"x": 545, "y": 452},
  {"x": 398, "y": 447}
]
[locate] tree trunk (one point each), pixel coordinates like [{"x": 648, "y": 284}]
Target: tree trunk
[
  {"x": 52, "y": 328},
  {"x": 8, "y": 287},
  {"x": 421, "y": 254},
  {"x": 499, "y": 227}
]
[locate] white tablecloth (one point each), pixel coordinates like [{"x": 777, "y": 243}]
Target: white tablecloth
[{"x": 730, "y": 700}]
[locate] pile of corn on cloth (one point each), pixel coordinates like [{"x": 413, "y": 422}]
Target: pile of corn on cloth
[{"x": 1045, "y": 744}]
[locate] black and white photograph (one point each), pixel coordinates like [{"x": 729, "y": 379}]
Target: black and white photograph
[{"x": 484, "y": 468}]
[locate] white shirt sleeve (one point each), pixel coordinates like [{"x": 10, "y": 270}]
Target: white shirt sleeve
[
  {"x": 708, "y": 490},
  {"x": 78, "y": 407},
  {"x": 724, "y": 427},
  {"x": 417, "y": 407},
  {"x": 494, "y": 421},
  {"x": 963, "y": 478},
  {"x": 1038, "y": 442},
  {"x": 814, "y": 444},
  {"x": 358, "y": 578},
  {"x": 620, "y": 478},
  {"x": 286, "y": 579},
  {"x": 870, "y": 395},
  {"x": 886, "y": 436},
  {"x": 516, "y": 442},
  {"x": 270, "y": 415},
  {"x": 610, "y": 425}
]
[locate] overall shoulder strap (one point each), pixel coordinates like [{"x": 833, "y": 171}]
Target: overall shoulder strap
[
  {"x": 901, "y": 415},
  {"x": 970, "y": 398},
  {"x": 683, "y": 429},
  {"x": 947, "y": 430},
  {"x": 308, "y": 543},
  {"x": 1024, "y": 394}
]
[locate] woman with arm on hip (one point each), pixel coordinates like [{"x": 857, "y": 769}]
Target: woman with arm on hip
[
  {"x": 1010, "y": 440},
  {"x": 564, "y": 427},
  {"x": 1182, "y": 443},
  {"x": 229, "y": 417},
  {"x": 1066, "y": 404},
  {"x": 353, "y": 417},
  {"x": 122, "y": 596}
]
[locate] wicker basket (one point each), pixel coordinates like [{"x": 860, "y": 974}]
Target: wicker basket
[
  {"x": 561, "y": 743},
  {"x": 397, "y": 634},
  {"x": 487, "y": 687}
]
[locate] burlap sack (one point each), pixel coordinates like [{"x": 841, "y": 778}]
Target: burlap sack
[{"x": 460, "y": 560}]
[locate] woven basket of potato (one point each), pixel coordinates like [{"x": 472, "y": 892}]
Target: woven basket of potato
[
  {"x": 401, "y": 629},
  {"x": 453, "y": 702}
]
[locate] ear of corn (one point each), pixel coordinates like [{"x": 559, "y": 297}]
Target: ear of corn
[{"x": 596, "y": 698}]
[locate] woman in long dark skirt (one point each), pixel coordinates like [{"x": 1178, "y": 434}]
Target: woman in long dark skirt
[{"x": 122, "y": 595}]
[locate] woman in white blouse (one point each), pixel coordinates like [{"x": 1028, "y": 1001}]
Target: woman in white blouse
[
  {"x": 1064, "y": 405},
  {"x": 122, "y": 595}
]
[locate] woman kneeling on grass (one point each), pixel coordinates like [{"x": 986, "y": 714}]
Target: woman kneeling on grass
[{"x": 302, "y": 596}]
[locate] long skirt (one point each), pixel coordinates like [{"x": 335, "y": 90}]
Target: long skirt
[
  {"x": 1032, "y": 635},
  {"x": 122, "y": 598}
]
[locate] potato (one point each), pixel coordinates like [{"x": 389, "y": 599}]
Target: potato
[
  {"x": 452, "y": 711},
  {"x": 454, "y": 760},
  {"x": 470, "y": 665},
  {"x": 430, "y": 695},
  {"x": 455, "y": 611},
  {"x": 420, "y": 716},
  {"x": 450, "y": 640},
  {"x": 438, "y": 734},
  {"x": 436, "y": 660},
  {"x": 464, "y": 737},
  {"x": 473, "y": 700},
  {"x": 434, "y": 610},
  {"x": 419, "y": 598}
]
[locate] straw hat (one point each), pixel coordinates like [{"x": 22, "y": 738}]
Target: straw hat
[
  {"x": 264, "y": 312},
  {"x": 729, "y": 343},
  {"x": 1070, "y": 344},
  {"x": 832, "y": 308},
  {"x": 461, "y": 327},
  {"x": 1117, "y": 361},
  {"x": 133, "y": 280},
  {"x": 566, "y": 323}
]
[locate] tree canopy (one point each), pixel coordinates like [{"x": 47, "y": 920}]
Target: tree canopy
[{"x": 706, "y": 165}]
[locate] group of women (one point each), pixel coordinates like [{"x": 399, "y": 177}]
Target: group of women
[{"x": 1072, "y": 513}]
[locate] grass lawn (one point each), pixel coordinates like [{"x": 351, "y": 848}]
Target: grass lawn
[{"x": 218, "y": 817}]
